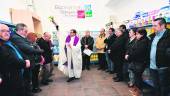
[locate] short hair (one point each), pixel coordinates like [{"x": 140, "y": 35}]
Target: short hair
[
  {"x": 31, "y": 36},
  {"x": 142, "y": 31},
  {"x": 134, "y": 29},
  {"x": 113, "y": 30},
  {"x": 45, "y": 33},
  {"x": 20, "y": 26},
  {"x": 123, "y": 26},
  {"x": 74, "y": 31},
  {"x": 161, "y": 21}
]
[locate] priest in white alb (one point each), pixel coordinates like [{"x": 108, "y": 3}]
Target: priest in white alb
[{"x": 72, "y": 57}]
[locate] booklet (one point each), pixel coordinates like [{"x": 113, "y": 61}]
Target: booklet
[{"x": 87, "y": 52}]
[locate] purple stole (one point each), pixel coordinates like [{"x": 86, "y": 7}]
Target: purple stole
[
  {"x": 68, "y": 39},
  {"x": 76, "y": 39}
]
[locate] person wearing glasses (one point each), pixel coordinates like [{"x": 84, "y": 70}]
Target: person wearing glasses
[{"x": 12, "y": 63}]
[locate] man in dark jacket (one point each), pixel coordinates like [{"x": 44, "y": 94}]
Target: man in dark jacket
[
  {"x": 109, "y": 41},
  {"x": 12, "y": 63},
  {"x": 86, "y": 43},
  {"x": 118, "y": 52},
  {"x": 160, "y": 58},
  {"x": 45, "y": 44},
  {"x": 20, "y": 40}
]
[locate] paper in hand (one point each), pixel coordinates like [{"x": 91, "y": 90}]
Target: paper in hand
[{"x": 87, "y": 52}]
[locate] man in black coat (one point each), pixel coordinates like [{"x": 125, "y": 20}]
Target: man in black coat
[
  {"x": 20, "y": 40},
  {"x": 45, "y": 44},
  {"x": 109, "y": 41},
  {"x": 86, "y": 43},
  {"x": 118, "y": 52},
  {"x": 12, "y": 64},
  {"x": 160, "y": 58}
]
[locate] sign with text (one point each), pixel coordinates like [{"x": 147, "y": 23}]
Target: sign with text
[{"x": 75, "y": 11}]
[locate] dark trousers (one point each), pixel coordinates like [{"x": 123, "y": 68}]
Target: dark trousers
[
  {"x": 35, "y": 73},
  {"x": 161, "y": 81},
  {"x": 86, "y": 61},
  {"x": 27, "y": 81},
  {"x": 102, "y": 61},
  {"x": 125, "y": 71},
  {"x": 119, "y": 68},
  {"x": 45, "y": 72},
  {"x": 138, "y": 79},
  {"x": 12, "y": 86}
]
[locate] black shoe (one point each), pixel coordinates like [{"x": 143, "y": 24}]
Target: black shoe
[
  {"x": 76, "y": 78},
  {"x": 99, "y": 69},
  {"x": 70, "y": 79},
  {"x": 103, "y": 69},
  {"x": 111, "y": 72},
  {"x": 107, "y": 71},
  {"x": 117, "y": 80},
  {"x": 44, "y": 83},
  {"x": 49, "y": 80},
  {"x": 36, "y": 90},
  {"x": 114, "y": 78},
  {"x": 88, "y": 68}
]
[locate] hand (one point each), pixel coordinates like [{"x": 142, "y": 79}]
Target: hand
[
  {"x": 69, "y": 45},
  {"x": 27, "y": 63},
  {"x": 42, "y": 60},
  {"x": 0, "y": 81},
  {"x": 109, "y": 51},
  {"x": 86, "y": 46},
  {"x": 42, "y": 50},
  {"x": 126, "y": 57}
]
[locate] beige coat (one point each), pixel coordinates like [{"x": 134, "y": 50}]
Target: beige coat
[{"x": 100, "y": 45}]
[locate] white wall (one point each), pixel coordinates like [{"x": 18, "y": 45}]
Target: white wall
[
  {"x": 6, "y": 4},
  {"x": 46, "y": 8}
]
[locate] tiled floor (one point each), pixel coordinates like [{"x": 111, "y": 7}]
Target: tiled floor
[{"x": 92, "y": 83}]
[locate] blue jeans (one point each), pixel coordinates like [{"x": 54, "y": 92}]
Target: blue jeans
[
  {"x": 109, "y": 62},
  {"x": 131, "y": 77}
]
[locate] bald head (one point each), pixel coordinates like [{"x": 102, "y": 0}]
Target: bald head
[
  {"x": 102, "y": 31},
  {"x": 47, "y": 36},
  {"x": 3, "y": 26},
  {"x": 87, "y": 33},
  {"x": 4, "y": 32}
]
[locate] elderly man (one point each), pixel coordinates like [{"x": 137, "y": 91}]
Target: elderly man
[
  {"x": 12, "y": 63},
  {"x": 86, "y": 43},
  {"x": 45, "y": 44}
]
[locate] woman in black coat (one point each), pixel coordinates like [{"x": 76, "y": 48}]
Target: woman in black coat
[
  {"x": 129, "y": 45},
  {"x": 139, "y": 57}
]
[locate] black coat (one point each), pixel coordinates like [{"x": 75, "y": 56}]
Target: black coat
[
  {"x": 10, "y": 71},
  {"x": 128, "y": 47},
  {"x": 139, "y": 51},
  {"x": 87, "y": 41},
  {"x": 47, "y": 54},
  {"x": 26, "y": 47},
  {"x": 37, "y": 57},
  {"x": 109, "y": 41},
  {"x": 163, "y": 49},
  {"x": 118, "y": 48}
]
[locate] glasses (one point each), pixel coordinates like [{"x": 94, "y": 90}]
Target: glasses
[{"x": 5, "y": 31}]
